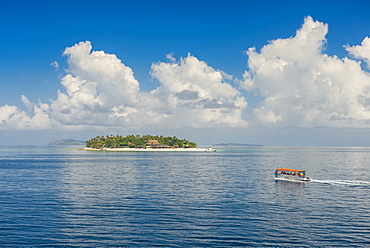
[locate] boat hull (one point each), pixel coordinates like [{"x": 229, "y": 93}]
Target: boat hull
[{"x": 292, "y": 178}]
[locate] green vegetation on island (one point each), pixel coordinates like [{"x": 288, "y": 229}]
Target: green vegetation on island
[{"x": 137, "y": 141}]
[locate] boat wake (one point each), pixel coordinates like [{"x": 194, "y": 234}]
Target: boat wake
[{"x": 343, "y": 182}]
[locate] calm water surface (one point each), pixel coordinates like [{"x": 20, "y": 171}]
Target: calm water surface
[{"x": 79, "y": 198}]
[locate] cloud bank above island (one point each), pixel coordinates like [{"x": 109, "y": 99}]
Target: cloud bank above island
[{"x": 300, "y": 86}]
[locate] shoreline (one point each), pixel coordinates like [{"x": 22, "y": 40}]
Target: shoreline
[{"x": 150, "y": 149}]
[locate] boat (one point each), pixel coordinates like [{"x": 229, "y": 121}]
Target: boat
[
  {"x": 291, "y": 175},
  {"x": 210, "y": 149}
]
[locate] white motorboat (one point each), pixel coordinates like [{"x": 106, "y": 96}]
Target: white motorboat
[{"x": 210, "y": 149}]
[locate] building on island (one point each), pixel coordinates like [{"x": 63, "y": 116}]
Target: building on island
[{"x": 154, "y": 143}]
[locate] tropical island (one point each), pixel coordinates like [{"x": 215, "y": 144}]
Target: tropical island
[{"x": 140, "y": 143}]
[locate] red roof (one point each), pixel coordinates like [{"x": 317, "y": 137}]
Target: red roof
[{"x": 289, "y": 170}]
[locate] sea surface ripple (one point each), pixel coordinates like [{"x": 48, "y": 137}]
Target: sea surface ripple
[{"x": 69, "y": 198}]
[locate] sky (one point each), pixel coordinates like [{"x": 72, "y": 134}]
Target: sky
[{"x": 276, "y": 73}]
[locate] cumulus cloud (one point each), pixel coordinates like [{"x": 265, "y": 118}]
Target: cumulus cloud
[
  {"x": 192, "y": 90},
  {"x": 37, "y": 117},
  {"x": 302, "y": 86},
  {"x": 112, "y": 78},
  {"x": 101, "y": 91},
  {"x": 298, "y": 83},
  {"x": 361, "y": 52}
]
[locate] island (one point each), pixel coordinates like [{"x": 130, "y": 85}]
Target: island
[
  {"x": 141, "y": 143},
  {"x": 67, "y": 142}
]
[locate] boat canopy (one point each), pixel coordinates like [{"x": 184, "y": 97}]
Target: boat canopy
[{"x": 281, "y": 169}]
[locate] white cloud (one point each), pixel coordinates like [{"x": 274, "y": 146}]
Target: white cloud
[
  {"x": 13, "y": 118},
  {"x": 100, "y": 91},
  {"x": 195, "y": 94},
  {"x": 55, "y": 65},
  {"x": 302, "y": 86},
  {"x": 170, "y": 57},
  {"x": 361, "y": 52},
  {"x": 111, "y": 76},
  {"x": 298, "y": 83}
]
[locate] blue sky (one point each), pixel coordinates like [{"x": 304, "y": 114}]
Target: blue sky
[{"x": 141, "y": 34}]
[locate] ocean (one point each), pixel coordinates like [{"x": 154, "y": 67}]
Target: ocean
[{"x": 78, "y": 198}]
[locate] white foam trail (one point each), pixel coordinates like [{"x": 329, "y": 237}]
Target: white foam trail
[{"x": 343, "y": 182}]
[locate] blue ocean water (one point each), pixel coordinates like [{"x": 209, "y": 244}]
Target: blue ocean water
[{"x": 80, "y": 198}]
